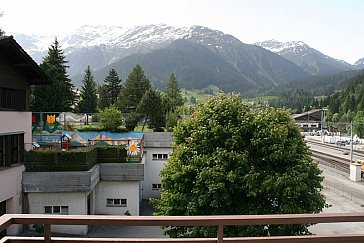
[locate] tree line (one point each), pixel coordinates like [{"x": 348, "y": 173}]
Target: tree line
[{"x": 135, "y": 100}]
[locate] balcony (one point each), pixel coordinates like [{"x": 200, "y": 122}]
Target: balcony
[{"x": 219, "y": 221}]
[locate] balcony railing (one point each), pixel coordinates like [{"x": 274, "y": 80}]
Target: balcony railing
[{"x": 219, "y": 221}]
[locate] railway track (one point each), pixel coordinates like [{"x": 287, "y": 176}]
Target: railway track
[{"x": 329, "y": 159}]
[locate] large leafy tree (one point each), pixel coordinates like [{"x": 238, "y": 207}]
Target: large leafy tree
[
  {"x": 230, "y": 159},
  {"x": 150, "y": 107},
  {"x": 173, "y": 93},
  {"x": 113, "y": 86},
  {"x": 135, "y": 86},
  {"x": 57, "y": 97}
]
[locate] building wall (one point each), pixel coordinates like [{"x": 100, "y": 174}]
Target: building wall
[
  {"x": 17, "y": 121},
  {"x": 152, "y": 170},
  {"x": 76, "y": 202},
  {"x": 117, "y": 190},
  {"x": 10, "y": 191}
]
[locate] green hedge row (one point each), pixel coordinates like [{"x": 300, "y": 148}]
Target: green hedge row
[
  {"x": 111, "y": 152},
  {"x": 78, "y": 160}
]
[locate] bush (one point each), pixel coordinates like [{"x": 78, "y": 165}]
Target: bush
[
  {"x": 79, "y": 160},
  {"x": 111, "y": 152},
  {"x": 110, "y": 118}
]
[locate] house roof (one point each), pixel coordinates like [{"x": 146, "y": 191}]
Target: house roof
[
  {"x": 311, "y": 112},
  {"x": 13, "y": 52},
  {"x": 158, "y": 140}
]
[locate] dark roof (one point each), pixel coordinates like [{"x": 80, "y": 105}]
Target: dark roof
[
  {"x": 158, "y": 140},
  {"x": 308, "y": 113},
  {"x": 13, "y": 52}
]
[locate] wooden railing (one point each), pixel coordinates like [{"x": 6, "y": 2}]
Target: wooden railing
[{"x": 219, "y": 221}]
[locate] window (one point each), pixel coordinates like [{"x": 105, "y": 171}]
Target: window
[
  {"x": 13, "y": 99},
  {"x": 116, "y": 202},
  {"x": 156, "y": 186},
  {"x": 11, "y": 149},
  {"x": 160, "y": 156},
  {"x": 6, "y": 98},
  {"x": 56, "y": 209}
]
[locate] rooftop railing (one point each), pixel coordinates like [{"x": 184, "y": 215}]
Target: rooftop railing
[{"x": 219, "y": 221}]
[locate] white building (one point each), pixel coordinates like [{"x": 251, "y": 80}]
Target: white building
[
  {"x": 156, "y": 150},
  {"x": 17, "y": 72},
  {"x": 106, "y": 189}
]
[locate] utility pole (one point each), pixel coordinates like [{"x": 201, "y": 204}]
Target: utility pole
[{"x": 351, "y": 142}]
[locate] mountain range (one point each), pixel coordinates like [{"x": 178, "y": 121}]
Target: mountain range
[{"x": 199, "y": 56}]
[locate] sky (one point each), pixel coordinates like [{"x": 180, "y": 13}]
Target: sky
[{"x": 334, "y": 27}]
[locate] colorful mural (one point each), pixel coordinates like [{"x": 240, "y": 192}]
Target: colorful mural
[{"x": 132, "y": 140}]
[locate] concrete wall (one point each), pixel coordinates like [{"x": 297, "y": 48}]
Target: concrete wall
[
  {"x": 10, "y": 191},
  {"x": 152, "y": 170},
  {"x": 76, "y": 202},
  {"x": 70, "y": 181},
  {"x": 121, "y": 171},
  {"x": 17, "y": 121},
  {"x": 117, "y": 189}
]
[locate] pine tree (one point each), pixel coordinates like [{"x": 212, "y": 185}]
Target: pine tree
[
  {"x": 103, "y": 101},
  {"x": 88, "y": 101},
  {"x": 135, "y": 86},
  {"x": 113, "y": 86},
  {"x": 173, "y": 93},
  {"x": 151, "y": 108},
  {"x": 57, "y": 97}
]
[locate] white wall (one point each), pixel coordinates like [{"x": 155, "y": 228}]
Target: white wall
[
  {"x": 10, "y": 191},
  {"x": 117, "y": 189},
  {"x": 76, "y": 202},
  {"x": 15, "y": 121},
  {"x": 152, "y": 170}
]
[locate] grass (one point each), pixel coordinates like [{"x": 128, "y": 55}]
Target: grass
[{"x": 200, "y": 95}]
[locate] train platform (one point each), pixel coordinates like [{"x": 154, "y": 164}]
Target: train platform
[{"x": 342, "y": 196}]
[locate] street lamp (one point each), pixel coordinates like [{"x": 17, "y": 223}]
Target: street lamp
[{"x": 322, "y": 121}]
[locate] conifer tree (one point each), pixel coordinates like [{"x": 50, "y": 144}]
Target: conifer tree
[
  {"x": 88, "y": 101},
  {"x": 173, "y": 93},
  {"x": 135, "y": 86},
  {"x": 113, "y": 86},
  {"x": 57, "y": 97},
  {"x": 151, "y": 108},
  {"x": 103, "y": 101}
]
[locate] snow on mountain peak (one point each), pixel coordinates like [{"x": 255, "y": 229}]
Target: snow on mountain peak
[{"x": 281, "y": 47}]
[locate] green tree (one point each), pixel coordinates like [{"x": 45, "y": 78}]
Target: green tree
[
  {"x": 172, "y": 120},
  {"x": 150, "y": 107},
  {"x": 131, "y": 121},
  {"x": 173, "y": 93},
  {"x": 59, "y": 95},
  {"x": 193, "y": 100},
  {"x": 113, "y": 86},
  {"x": 134, "y": 88},
  {"x": 230, "y": 159},
  {"x": 88, "y": 101},
  {"x": 103, "y": 100},
  {"x": 110, "y": 118},
  {"x": 359, "y": 124}
]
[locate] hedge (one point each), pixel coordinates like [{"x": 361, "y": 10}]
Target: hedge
[{"x": 78, "y": 160}]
